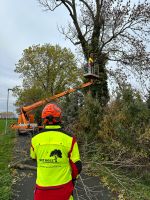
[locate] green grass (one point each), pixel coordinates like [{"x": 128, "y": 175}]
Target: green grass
[
  {"x": 3, "y": 123},
  {"x": 6, "y": 152}
]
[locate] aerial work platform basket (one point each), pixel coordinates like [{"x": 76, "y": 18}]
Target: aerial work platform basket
[{"x": 91, "y": 72}]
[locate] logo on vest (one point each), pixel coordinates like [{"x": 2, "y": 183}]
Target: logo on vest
[{"x": 56, "y": 154}]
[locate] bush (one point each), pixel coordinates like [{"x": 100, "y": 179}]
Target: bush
[
  {"x": 115, "y": 143},
  {"x": 87, "y": 124},
  {"x": 125, "y": 128}
]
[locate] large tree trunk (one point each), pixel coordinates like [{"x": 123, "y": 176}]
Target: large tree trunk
[{"x": 100, "y": 89}]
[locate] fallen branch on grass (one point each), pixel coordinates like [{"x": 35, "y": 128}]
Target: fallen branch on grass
[
  {"x": 11, "y": 165},
  {"x": 19, "y": 164},
  {"x": 119, "y": 164},
  {"x": 24, "y": 166}
]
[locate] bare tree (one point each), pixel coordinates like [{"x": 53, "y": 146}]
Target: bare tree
[{"x": 114, "y": 30}]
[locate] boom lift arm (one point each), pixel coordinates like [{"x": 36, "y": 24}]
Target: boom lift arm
[{"x": 26, "y": 121}]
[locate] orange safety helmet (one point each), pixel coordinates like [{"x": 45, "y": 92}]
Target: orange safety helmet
[{"x": 51, "y": 114}]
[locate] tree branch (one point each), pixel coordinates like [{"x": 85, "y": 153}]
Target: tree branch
[
  {"x": 89, "y": 8},
  {"x": 47, "y": 6}
]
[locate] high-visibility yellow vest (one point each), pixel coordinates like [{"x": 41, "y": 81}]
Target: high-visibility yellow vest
[
  {"x": 50, "y": 148},
  {"x": 90, "y": 60}
]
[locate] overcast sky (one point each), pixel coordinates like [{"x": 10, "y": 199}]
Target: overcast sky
[{"x": 22, "y": 24}]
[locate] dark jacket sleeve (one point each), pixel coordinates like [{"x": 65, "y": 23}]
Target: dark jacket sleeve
[{"x": 79, "y": 166}]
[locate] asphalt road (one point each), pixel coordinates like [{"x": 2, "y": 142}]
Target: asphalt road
[{"x": 87, "y": 187}]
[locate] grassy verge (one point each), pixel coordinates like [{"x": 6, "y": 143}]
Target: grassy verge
[
  {"x": 2, "y": 125},
  {"x": 6, "y": 153}
]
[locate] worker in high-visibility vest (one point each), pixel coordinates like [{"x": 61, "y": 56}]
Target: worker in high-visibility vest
[
  {"x": 91, "y": 63},
  {"x": 58, "y": 159}
]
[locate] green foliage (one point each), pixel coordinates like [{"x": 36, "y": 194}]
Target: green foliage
[
  {"x": 27, "y": 96},
  {"x": 116, "y": 144},
  {"x": 46, "y": 70},
  {"x": 71, "y": 105},
  {"x": 125, "y": 127},
  {"x": 89, "y": 117}
]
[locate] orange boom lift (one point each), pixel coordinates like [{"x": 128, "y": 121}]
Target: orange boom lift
[{"x": 26, "y": 119}]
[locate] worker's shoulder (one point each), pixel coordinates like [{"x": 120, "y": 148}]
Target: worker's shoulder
[{"x": 61, "y": 131}]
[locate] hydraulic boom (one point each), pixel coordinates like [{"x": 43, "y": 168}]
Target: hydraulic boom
[{"x": 26, "y": 120}]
